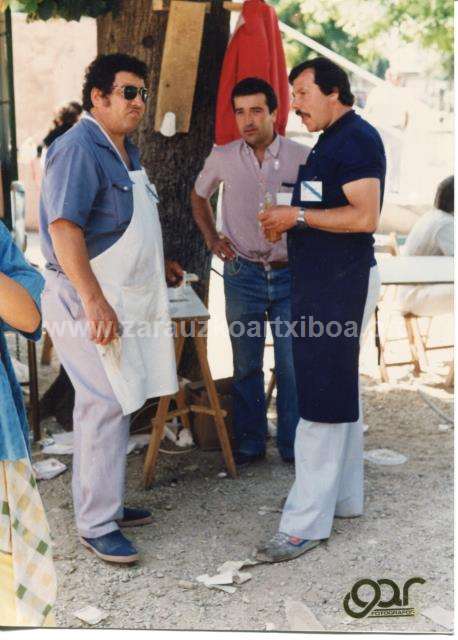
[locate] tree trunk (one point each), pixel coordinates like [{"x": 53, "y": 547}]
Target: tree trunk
[{"x": 173, "y": 163}]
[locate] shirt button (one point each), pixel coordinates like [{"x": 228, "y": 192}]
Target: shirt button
[{"x": 126, "y": 188}]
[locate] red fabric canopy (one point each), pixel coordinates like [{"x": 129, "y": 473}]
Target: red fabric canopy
[{"x": 255, "y": 49}]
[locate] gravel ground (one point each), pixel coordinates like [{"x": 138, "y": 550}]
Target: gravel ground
[{"x": 202, "y": 520}]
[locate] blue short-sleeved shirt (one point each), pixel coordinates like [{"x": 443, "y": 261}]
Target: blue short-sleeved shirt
[
  {"x": 86, "y": 182},
  {"x": 348, "y": 150},
  {"x": 13, "y": 421}
]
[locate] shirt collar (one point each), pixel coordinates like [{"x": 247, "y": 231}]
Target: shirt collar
[
  {"x": 273, "y": 149},
  {"x": 101, "y": 139},
  {"x": 339, "y": 123}
]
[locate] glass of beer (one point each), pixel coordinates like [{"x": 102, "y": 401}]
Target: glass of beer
[{"x": 271, "y": 236}]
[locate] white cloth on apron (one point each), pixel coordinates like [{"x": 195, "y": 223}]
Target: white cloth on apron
[
  {"x": 328, "y": 464},
  {"x": 141, "y": 363}
]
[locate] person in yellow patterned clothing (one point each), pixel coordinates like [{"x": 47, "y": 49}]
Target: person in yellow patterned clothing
[{"x": 27, "y": 575}]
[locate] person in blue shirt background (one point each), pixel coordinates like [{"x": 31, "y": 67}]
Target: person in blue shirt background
[
  {"x": 20, "y": 290},
  {"x": 27, "y": 575},
  {"x": 335, "y": 210}
]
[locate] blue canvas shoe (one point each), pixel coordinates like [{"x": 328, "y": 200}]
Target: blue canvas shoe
[
  {"x": 112, "y": 547},
  {"x": 135, "y": 518},
  {"x": 283, "y": 547}
]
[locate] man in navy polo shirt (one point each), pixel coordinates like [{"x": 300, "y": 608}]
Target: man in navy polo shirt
[{"x": 335, "y": 284}]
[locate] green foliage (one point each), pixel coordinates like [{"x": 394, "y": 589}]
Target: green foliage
[
  {"x": 67, "y": 9},
  {"x": 320, "y": 23},
  {"x": 364, "y": 31}
]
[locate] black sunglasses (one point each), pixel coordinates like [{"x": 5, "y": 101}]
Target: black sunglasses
[{"x": 130, "y": 92}]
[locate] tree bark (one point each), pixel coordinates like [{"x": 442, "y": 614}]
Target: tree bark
[{"x": 173, "y": 163}]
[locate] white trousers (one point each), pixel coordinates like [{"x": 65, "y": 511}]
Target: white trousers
[
  {"x": 328, "y": 464},
  {"x": 100, "y": 430},
  {"x": 426, "y": 300}
]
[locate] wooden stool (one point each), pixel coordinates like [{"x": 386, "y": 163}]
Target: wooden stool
[{"x": 191, "y": 326}]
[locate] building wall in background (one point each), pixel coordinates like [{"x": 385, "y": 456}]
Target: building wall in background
[{"x": 49, "y": 62}]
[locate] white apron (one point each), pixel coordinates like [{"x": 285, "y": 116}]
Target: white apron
[{"x": 141, "y": 363}]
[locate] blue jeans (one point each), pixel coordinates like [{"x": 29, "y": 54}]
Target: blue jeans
[{"x": 254, "y": 295}]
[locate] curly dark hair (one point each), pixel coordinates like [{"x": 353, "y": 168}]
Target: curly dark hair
[{"x": 101, "y": 73}]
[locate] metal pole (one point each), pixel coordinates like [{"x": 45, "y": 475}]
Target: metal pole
[
  {"x": 8, "y": 150},
  {"x": 294, "y": 34}
]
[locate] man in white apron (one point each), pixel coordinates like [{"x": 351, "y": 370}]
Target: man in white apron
[{"x": 105, "y": 302}]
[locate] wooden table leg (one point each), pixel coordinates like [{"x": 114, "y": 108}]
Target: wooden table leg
[
  {"x": 201, "y": 349},
  {"x": 46, "y": 352},
  {"x": 158, "y": 424},
  {"x": 157, "y": 432}
]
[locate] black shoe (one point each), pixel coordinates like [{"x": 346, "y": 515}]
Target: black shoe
[
  {"x": 135, "y": 518},
  {"x": 241, "y": 458}
]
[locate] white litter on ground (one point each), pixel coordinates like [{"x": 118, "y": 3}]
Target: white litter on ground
[
  {"x": 444, "y": 427},
  {"x": 62, "y": 443},
  {"x": 441, "y": 616},
  {"x": 214, "y": 582},
  {"x": 185, "y": 438},
  {"x": 91, "y": 615},
  {"x": 301, "y": 618},
  {"x": 228, "y": 574},
  {"x": 385, "y": 456},
  {"x": 137, "y": 442},
  {"x": 49, "y": 468}
]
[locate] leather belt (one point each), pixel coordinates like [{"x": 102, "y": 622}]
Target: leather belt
[{"x": 280, "y": 264}]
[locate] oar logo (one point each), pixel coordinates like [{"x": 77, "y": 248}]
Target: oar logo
[{"x": 376, "y": 607}]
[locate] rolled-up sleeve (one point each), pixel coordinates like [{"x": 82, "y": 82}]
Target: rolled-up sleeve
[
  {"x": 209, "y": 178},
  {"x": 15, "y": 266},
  {"x": 360, "y": 157},
  {"x": 70, "y": 184}
]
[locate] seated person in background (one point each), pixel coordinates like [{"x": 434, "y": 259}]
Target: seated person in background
[
  {"x": 432, "y": 235},
  {"x": 27, "y": 575}
]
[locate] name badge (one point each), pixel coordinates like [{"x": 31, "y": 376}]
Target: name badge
[
  {"x": 284, "y": 198},
  {"x": 311, "y": 190}
]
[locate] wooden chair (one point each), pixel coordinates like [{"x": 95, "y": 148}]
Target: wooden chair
[{"x": 417, "y": 341}]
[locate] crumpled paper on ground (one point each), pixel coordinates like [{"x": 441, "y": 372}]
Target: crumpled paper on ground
[
  {"x": 91, "y": 615},
  {"x": 228, "y": 574},
  {"x": 48, "y": 469},
  {"x": 62, "y": 443}
]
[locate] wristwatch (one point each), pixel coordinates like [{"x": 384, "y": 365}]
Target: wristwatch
[{"x": 301, "y": 222}]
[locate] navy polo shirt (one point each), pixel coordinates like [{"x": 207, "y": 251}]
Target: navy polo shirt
[
  {"x": 86, "y": 182},
  {"x": 348, "y": 150}
]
